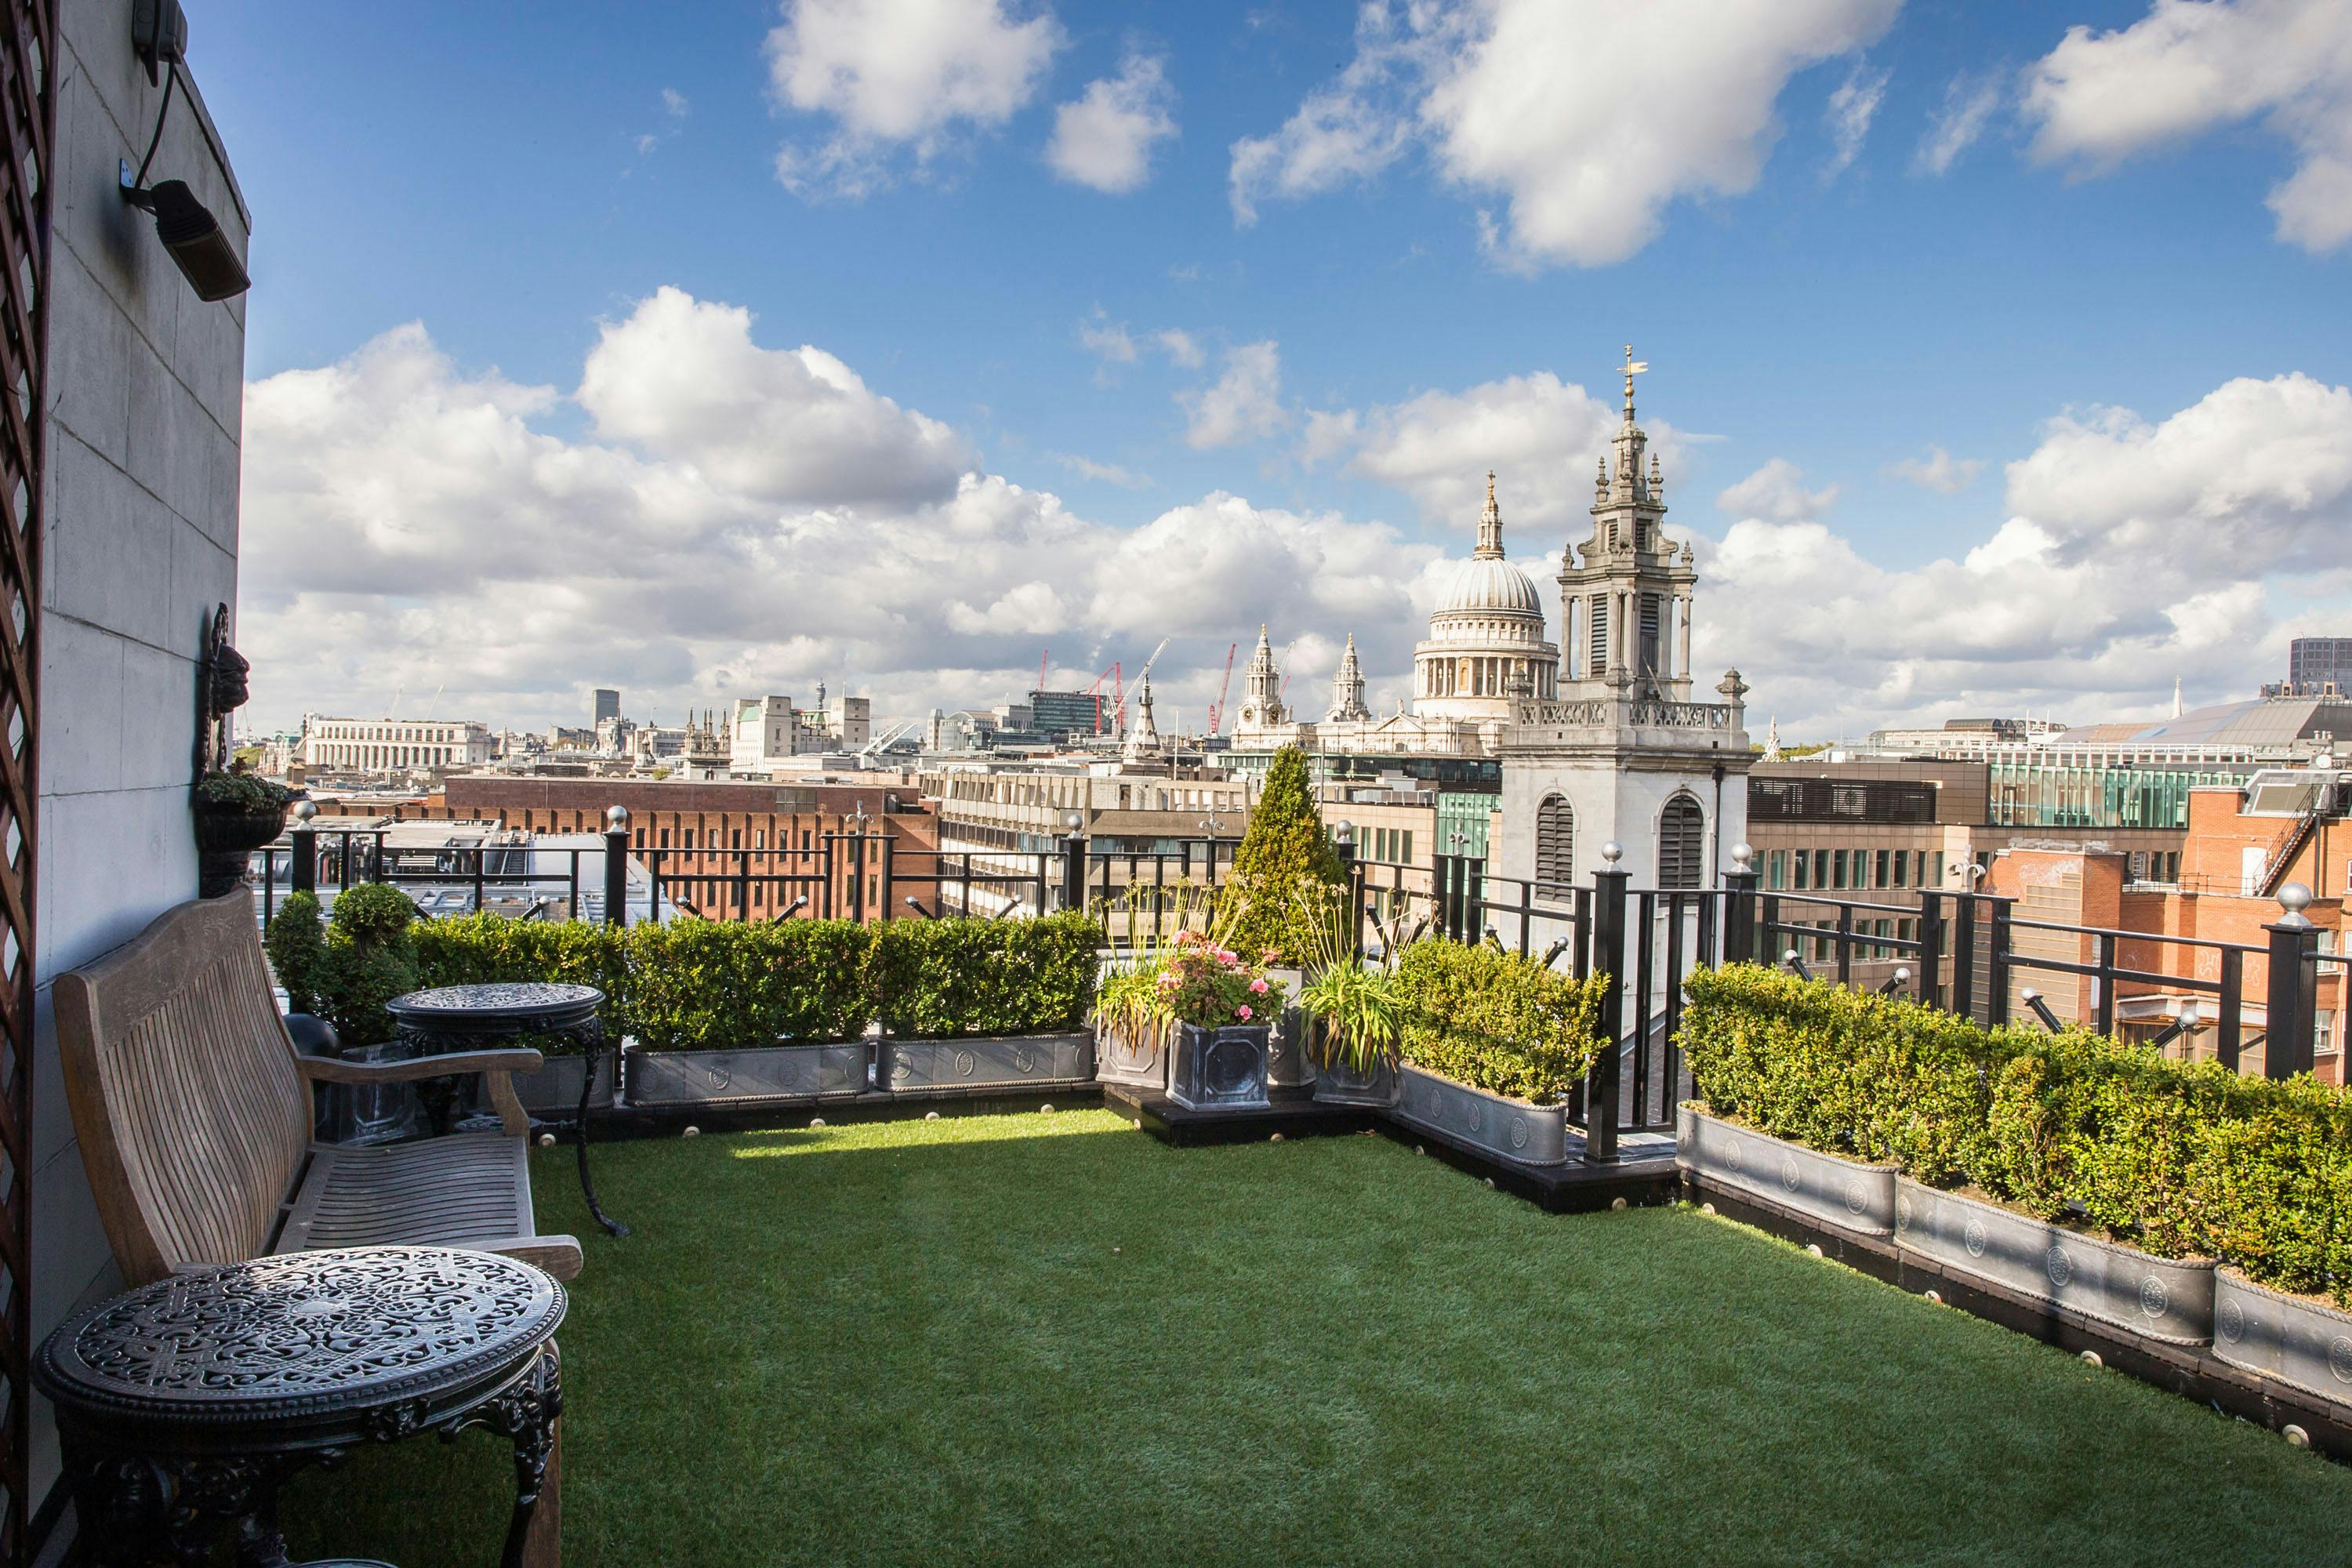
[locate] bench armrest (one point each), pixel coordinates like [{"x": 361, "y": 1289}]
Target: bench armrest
[{"x": 452, "y": 1064}]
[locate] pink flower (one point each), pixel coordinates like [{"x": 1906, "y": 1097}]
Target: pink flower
[
  {"x": 1241, "y": 1012},
  {"x": 1269, "y": 955},
  {"x": 1258, "y": 987}
]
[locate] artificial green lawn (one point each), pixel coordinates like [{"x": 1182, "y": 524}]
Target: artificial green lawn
[{"x": 1047, "y": 1339}]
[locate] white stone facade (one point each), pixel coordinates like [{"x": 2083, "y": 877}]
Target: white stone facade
[{"x": 394, "y": 745}]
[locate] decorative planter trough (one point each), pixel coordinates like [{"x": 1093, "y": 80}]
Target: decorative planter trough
[
  {"x": 2162, "y": 1299},
  {"x": 1009, "y": 1061},
  {"x": 1506, "y": 1128},
  {"x": 1120, "y": 1059},
  {"x": 1848, "y": 1194},
  {"x": 554, "y": 1089},
  {"x": 1289, "y": 1064},
  {"x": 1222, "y": 1068},
  {"x": 2299, "y": 1341},
  {"x": 756, "y": 1073},
  {"x": 1337, "y": 1082}
]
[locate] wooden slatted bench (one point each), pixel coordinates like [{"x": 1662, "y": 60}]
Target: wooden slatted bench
[{"x": 193, "y": 1111}]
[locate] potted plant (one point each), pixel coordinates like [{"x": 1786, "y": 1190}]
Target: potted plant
[
  {"x": 236, "y": 814},
  {"x": 1132, "y": 1024},
  {"x": 1353, "y": 1012},
  {"x": 1222, "y": 1006}
]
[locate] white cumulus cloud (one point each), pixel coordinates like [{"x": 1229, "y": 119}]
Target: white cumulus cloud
[
  {"x": 1588, "y": 120},
  {"x": 1243, "y": 404},
  {"x": 1104, "y": 138},
  {"x": 2186, "y": 69},
  {"x": 1939, "y": 470},
  {"x": 895, "y": 74},
  {"x": 1777, "y": 491}
]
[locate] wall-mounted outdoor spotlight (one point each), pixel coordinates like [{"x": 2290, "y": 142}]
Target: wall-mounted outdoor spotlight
[{"x": 197, "y": 243}]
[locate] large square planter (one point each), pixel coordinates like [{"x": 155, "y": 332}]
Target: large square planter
[
  {"x": 1339, "y": 1082},
  {"x": 1010, "y": 1061},
  {"x": 836, "y": 1069},
  {"x": 2167, "y": 1299},
  {"x": 1851, "y": 1194},
  {"x": 1288, "y": 1063},
  {"x": 1137, "y": 1061},
  {"x": 2304, "y": 1343},
  {"x": 1222, "y": 1068},
  {"x": 1506, "y": 1127}
]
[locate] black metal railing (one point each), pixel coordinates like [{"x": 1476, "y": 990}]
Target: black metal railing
[{"x": 1956, "y": 950}]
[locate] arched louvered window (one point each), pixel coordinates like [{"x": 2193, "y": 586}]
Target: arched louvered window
[
  {"x": 1555, "y": 848},
  {"x": 1682, "y": 839}
]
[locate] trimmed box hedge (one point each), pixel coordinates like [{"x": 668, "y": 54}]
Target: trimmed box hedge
[
  {"x": 1496, "y": 1021},
  {"x": 2180, "y": 1159},
  {"x": 700, "y": 984}
]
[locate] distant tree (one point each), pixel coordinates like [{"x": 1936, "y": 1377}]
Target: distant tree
[{"x": 1285, "y": 852}]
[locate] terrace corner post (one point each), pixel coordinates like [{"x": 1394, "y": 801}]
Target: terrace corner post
[
  {"x": 616, "y": 867},
  {"x": 1997, "y": 951},
  {"x": 1927, "y": 983},
  {"x": 2290, "y": 1014},
  {"x": 1608, "y": 959},
  {"x": 1074, "y": 868},
  {"x": 1739, "y": 914},
  {"x": 1353, "y": 870},
  {"x": 303, "y": 869}
]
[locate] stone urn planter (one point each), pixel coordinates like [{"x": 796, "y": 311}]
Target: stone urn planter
[
  {"x": 227, "y": 833},
  {"x": 1496, "y": 1124},
  {"x": 1290, "y": 1064},
  {"x": 2301, "y": 1341},
  {"x": 1138, "y": 1061},
  {"x": 1849, "y": 1195},
  {"x": 1220, "y": 1068},
  {"x": 2162, "y": 1299},
  {"x": 833, "y": 1070}
]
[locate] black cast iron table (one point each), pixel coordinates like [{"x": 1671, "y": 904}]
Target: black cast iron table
[
  {"x": 184, "y": 1404},
  {"x": 466, "y": 1017}
]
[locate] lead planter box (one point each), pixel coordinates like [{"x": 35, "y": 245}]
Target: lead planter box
[
  {"x": 836, "y": 1069},
  {"x": 1009, "y": 1061},
  {"x": 554, "y": 1089},
  {"x": 1222, "y": 1068},
  {"x": 2167, "y": 1299},
  {"x": 2301, "y": 1343},
  {"x": 1121, "y": 1058},
  {"x": 1506, "y": 1128},
  {"x": 1338, "y": 1082},
  {"x": 1288, "y": 1063},
  {"x": 1851, "y": 1195}
]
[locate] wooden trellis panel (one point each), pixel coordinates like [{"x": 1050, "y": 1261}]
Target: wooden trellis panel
[{"x": 27, "y": 119}]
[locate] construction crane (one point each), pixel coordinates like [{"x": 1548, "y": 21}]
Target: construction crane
[
  {"x": 1043, "y": 655},
  {"x": 1284, "y": 691},
  {"x": 1119, "y": 694},
  {"x": 1217, "y": 709}
]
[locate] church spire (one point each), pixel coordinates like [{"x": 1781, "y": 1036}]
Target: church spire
[
  {"x": 1348, "y": 685},
  {"x": 1490, "y": 530}
]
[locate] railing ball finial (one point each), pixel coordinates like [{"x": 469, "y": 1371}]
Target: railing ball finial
[
  {"x": 1612, "y": 852},
  {"x": 2294, "y": 898},
  {"x": 1343, "y": 832},
  {"x": 1073, "y": 820},
  {"x": 1741, "y": 856},
  {"x": 305, "y": 810},
  {"x": 616, "y": 817}
]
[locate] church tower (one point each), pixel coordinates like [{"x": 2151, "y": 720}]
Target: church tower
[
  {"x": 1262, "y": 706},
  {"x": 1348, "y": 688},
  {"x": 1142, "y": 742},
  {"x": 1625, "y": 606},
  {"x": 1624, "y": 755}
]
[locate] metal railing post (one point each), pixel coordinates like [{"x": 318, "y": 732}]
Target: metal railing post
[
  {"x": 890, "y": 888},
  {"x": 1739, "y": 886},
  {"x": 1609, "y": 959},
  {"x": 1964, "y": 957},
  {"x": 617, "y": 867},
  {"x": 2287, "y": 1045},
  {"x": 2230, "y": 1032},
  {"x": 1343, "y": 841}
]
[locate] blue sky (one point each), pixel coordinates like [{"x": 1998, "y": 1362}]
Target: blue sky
[{"x": 514, "y": 178}]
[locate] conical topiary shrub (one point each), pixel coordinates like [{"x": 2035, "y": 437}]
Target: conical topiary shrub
[{"x": 1285, "y": 852}]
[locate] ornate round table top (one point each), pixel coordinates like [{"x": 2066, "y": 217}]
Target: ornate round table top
[
  {"x": 506, "y": 1005},
  {"x": 302, "y": 1336}
]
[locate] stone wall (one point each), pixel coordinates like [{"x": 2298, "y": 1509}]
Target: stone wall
[{"x": 144, "y": 396}]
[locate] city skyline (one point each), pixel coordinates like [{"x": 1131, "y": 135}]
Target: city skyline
[{"x": 1899, "y": 292}]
